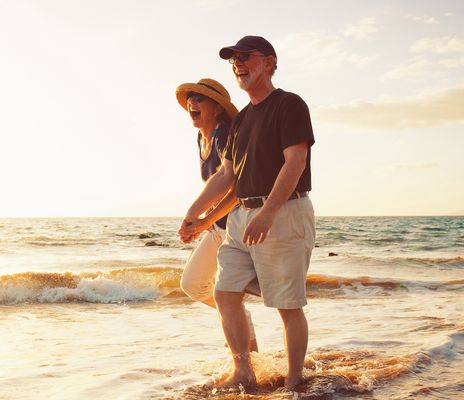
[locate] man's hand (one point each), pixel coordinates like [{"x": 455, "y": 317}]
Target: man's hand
[{"x": 258, "y": 227}]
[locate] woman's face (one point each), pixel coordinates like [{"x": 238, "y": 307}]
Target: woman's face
[{"x": 202, "y": 110}]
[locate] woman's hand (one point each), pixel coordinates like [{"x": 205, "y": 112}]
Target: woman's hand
[{"x": 190, "y": 230}]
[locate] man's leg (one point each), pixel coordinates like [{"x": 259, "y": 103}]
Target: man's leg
[
  {"x": 199, "y": 273},
  {"x": 296, "y": 342},
  {"x": 236, "y": 331}
]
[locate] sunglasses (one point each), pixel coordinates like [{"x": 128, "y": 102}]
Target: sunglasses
[
  {"x": 242, "y": 57},
  {"x": 196, "y": 97}
]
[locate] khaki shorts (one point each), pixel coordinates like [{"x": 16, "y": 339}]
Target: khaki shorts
[{"x": 280, "y": 263}]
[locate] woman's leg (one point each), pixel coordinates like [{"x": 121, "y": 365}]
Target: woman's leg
[{"x": 200, "y": 271}]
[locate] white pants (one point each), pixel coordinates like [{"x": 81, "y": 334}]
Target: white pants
[{"x": 200, "y": 271}]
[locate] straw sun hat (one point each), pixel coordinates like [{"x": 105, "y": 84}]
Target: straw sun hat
[{"x": 210, "y": 88}]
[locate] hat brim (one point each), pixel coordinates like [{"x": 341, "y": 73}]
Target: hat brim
[
  {"x": 183, "y": 90},
  {"x": 227, "y": 52}
]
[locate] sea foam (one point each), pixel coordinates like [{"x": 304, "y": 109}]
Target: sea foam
[{"x": 133, "y": 284}]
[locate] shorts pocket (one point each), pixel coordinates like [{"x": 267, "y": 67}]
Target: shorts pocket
[
  {"x": 307, "y": 217},
  {"x": 288, "y": 224}
]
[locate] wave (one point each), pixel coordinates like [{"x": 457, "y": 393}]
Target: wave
[
  {"x": 60, "y": 241},
  {"x": 447, "y": 262},
  {"x": 118, "y": 286},
  {"x": 452, "y": 348},
  {"x": 435, "y": 229},
  {"x": 151, "y": 283},
  {"x": 323, "y": 282},
  {"x": 147, "y": 239},
  {"x": 327, "y": 372}
]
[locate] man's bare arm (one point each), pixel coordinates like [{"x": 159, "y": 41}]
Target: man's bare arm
[
  {"x": 215, "y": 189},
  {"x": 223, "y": 208}
]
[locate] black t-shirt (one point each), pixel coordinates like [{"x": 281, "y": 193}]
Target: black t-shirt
[
  {"x": 257, "y": 138},
  {"x": 213, "y": 162}
]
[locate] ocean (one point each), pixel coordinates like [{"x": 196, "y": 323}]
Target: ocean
[{"x": 92, "y": 309}]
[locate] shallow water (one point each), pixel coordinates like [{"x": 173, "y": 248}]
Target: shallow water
[{"x": 88, "y": 311}]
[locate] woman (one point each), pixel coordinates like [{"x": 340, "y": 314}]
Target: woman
[{"x": 209, "y": 106}]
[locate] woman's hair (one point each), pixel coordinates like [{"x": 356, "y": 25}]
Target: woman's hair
[{"x": 225, "y": 117}]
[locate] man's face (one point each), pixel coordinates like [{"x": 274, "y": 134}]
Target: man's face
[{"x": 251, "y": 71}]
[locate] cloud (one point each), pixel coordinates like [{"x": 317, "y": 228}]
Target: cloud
[
  {"x": 428, "y": 62},
  {"x": 416, "y": 66},
  {"x": 427, "y": 110},
  {"x": 421, "y": 66},
  {"x": 425, "y": 19},
  {"x": 440, "y": 45},
  {"x": 452, "y": 62},
  {"x": 362, "y": 29},
  {"x": 321, "y": 50}
]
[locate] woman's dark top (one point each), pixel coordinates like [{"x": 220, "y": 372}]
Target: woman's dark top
[{"x": 213, "y": 162}]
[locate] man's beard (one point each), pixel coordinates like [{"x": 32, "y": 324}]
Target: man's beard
[{"x": 245, "y": 82}]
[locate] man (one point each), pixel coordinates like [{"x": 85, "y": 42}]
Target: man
[{"x": 270, "y": 236}]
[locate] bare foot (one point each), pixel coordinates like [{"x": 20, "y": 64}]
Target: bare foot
[
  {"x": 247, "y": 380},
  {"x": 290, "y": 394},
  {"x": 293, "y": 384}
]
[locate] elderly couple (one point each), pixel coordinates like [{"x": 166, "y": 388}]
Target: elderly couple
[{"x": 260, "y": 220}]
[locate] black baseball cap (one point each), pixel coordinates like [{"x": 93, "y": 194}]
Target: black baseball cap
[{"x": 248, "y": 44}]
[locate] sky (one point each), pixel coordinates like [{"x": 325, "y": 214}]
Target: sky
[{"x": 90, "y": 126}]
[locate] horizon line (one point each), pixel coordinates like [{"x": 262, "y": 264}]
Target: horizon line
[{"x": 165, "y": 216}]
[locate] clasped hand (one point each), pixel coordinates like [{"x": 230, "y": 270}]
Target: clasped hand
[
  {"x": 191, "y": 228},
  {"x": 256, "y": 231}
]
